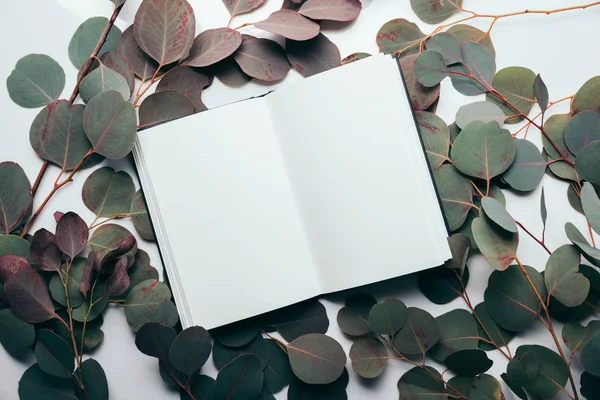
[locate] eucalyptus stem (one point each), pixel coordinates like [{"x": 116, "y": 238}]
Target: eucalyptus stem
[{"x": 540, "y": 242}]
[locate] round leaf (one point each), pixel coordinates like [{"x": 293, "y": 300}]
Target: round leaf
[
  {"x": 430, "y": 68},
  {"x": 527, "y": 170},
  {"x": 484, "y": 111},
  {"x": 353, "y": 319},
  {"x": 591, "y": 205},
  {"x": 290, "y": 24},
  {"x": 103, "y": 79},
  {"x": 486, "y": 325},
  {"x": 582, "y": 129},
  {"x": 469, "y": 362},
  {"x": 164, "y": 106},
  {"x": 297, "y": 320},
  {"x": 203, "y": 388},
  {"x": 399, "y": 34},
  {"x": 590, "y": 385},
  {"x": 369, "y": 357},
  {"x": 15, "y": 335},
  {"x": 388, "y": 316},
  {"x": 140, "y": 271},
  {"x": 455, "y": 194},
  {"x": 576, "y": 337},
  {"x": 71, "y": 234},
  {"x": 108, "y": 193},
  {"x": 480, "y": 62},
  {"x": 553, "y": 373},
  {"x": 332, "y": 10},
  {"x": 212, "y": 46},
  {"x": 510, "y": 300},
  {"x": 441, "y": 285},
  {"x": 586, "y": 97},
  {"x": 236, "y": 7},
  {"x": 458, "y": 331},
  {"x": 229, "y": 72},
  {"x": 190, "y": 350},
  {"x": 310, "y": 57},
  {"x": 592, "y": 254},
  {"x": 15, "y": 197},
  {"x": 165, "y": 29},
  {"x": 436, "y": 137},
  {"x": 262, "y": 59},
  {"x": 240, "y": 379},
  {"x": 447, "y": 45},
  {"x": 316, "y": 358},
  {"x": 188, "y": 82},
  {"x": 588, "y": 163},
  {"x": 86, "y": 38},
  {"x": 235, "y": 335},
  {"x": 434, "y": 11},
  {"x": 109, "y": 239},
  {"x": 13, "y": 245},
  {"x": 35, "y": 384},
  {"x": 420, "y": 333},
  {"x": 143, "y": 300},
  {"x": 299, "y": 390},
  {"x": 590, "y": 356},
  {"x": 110, "y": 124},
  {"x": 94, "y": 380},
  {"x": 75, "y": 277},
  {"x": 516, "y": 85},
  {"x": 45, "y": 252},
  {"x": 154, "y": 339},
  {"x": 37, "y": 80},
  {"x": 422, "y": 384},
  {"x": 421, "y": 97},
  {"x": 143, "y": 65},
  {"x": 117, "y": 63},
  {"x": 223, "y": 355},
  {"x": 482, "y": 387},
  {"x": 93, "y": 306},
  {"x": 498, "y": 214},
  {"x": 54, "y": 355},
  {"x": 140, "y": 218},
  {"x": 165, "y": 313},
  {"x": 563, "y": 279},
  {"x": 468, "y": 33},
  {"x": 278, "y": 372},
  {"x": 27, "y": 294},
  {"x": 11, "y": 264},
  {"x": 483, "y": 150}
]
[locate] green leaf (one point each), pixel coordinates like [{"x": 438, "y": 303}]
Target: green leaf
[
  {"x": 240, "y": 379},
  {"x": 187, "y": 81},
  {"x": 278, "y": 372},
  {"x": 27, "y": 294},
  {"x": 36, "y": 81},
  {"x": 140, "y": 218},
  {"x": 590, "y": 356},
  {"x": 316, "y": 358},
  {"x": 563, "y": 279},
  {"x": 94, "y": 380},
  {"x": 510, "y": 300},
  {"x": 587, "y": 164},
  {"x": 574, "y": 199},
  {"x": 354, "y": 57},
  {"x": 75, "y": 277},
  {"x": 369, "y": 357},
  {"x": 587, "y": 97},
  {"x": 592, "y": 254},
  {"x": 422, "y": 384},
  {"x": 143, "y": 300},
  {"x": 166, "y": 314},
  {"x": 101, "y": 80},
  {"x": 15, "y": 196},
  {"x": 480, "y": 62},
  {"x": 486, "y": 325},
  {"x": 455, "y": 194},
  {"x": 458, "y": 331},
  {"x": 436, "y": 137},
  {"x": 591, "y": 205},
  {"x": 483, "y": 111},
  {"x": 421, "y": 97},
  {"x": 498, "y": 247},
  {"x": 109, "y": 238},
  {"x": 576, "y": 337},
  {"x": 16, "y": 336},
  {"x": 117, "y": 62},
  {"x": 517, "y": 390},
  {"x": 93, "y": 332},
  {"x": 420, "y": 333},
  {"x": 581, "y": 130},
  {"x": 13, "y": 244},
  {"x": 447, "y": 45},
  {"x": 516, "y": 85},
  {"x": 527, "y": 170},
  {"x": 190, "y": 349},
  {"x": 164, "y": 106},
  {"x": 108, "y": 193},
  {"x": 540, "y": 92},
  {"x": 299, "y": 390},
  {"x": 154, "y": 340},
  {"x": 483, "y": 150},
  {"x": 468, "y": 33},
  {"x": 265, "y": 396},
  {"x": 140, "y": 271},
  {"x": 563, "y": 314},
  {"x": 469, "y": 362},
  {"x": 552, "y": 376},
  {"x": 235, "y": 335},
  {"x": 165, "y": 29},
  {"x": 399, "y": 34},
  {"x": 498, "y": 214},
  {"x": 555, "y": 128},
  {"x": 434, "y": 11},
  {"x": 223, "y": 355},
  {"x": 86, "y": 38},
  {"x": 590, "y": 386},
  {"x": 353, "y": 319},
  {"x": 441, "y": 285},
  {"x": 430, "y": 68},
  {"x": 388, "y": 316},
  {"x": 35, "y": 384},
  {"x": 93, "y": 306},
  {"x": 482, "y": 387},
  {"x": 299, "y": 319},
  {"x": 203, "y": 388},
  {"x": 54, "y": 355}
]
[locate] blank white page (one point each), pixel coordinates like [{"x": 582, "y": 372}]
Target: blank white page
[
  {"x": 228, "y": 213},
  {"x": 359, "y": 174}
]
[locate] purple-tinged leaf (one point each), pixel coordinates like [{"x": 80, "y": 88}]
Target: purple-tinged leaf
[
  {"x": 262, "y": 59},
  {"x": 164, "y": 106},
  {"x": 84, "y": 286},
  {"x": 58, "y": 215},
  {"x": 71, "y": 234},
  {"x": 399, "y": 35},
  {"x": 289, "y": 24},
  {"x": 229, "y": 72},
  {"x": 212, "y": 46},
  {"x": 421, "y": 97},
  {"x": 45, "y": 251},
  {"x": 165, "y": 29},
  {"x": 10, "y": 265},
  {"x": 354, "y": 57},
  {"x": 118, "y": 63},
  {"x": 103, "y": 79},
  {"x": 187, "y": 81},
  {"x": 16, "y": 200},
  {"x": 140, "y": 218},
  {"x": 292, "y": 4},
  {"x": 332, "y": 10},
  {"x": 435, "y": 11},
  {"x": 237, "y": 7},
  {"x": 110, "y": 242},
  {"x": 118, "y": 282},
  {"x": 28, "y": 296},
  {"x": 143, "y": 300},
  {"x": 143, "y": 65},
  {"x": 313, "y": 56},
  {"x": 126, "y": 247}
]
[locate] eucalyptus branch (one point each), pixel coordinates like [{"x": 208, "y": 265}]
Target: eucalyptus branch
[
  {"x": 65, "y": 282},
  {"x": 541, "y": 242},
  {"x": 550, "y": 104},
  {"x": 281, "y": 344}
]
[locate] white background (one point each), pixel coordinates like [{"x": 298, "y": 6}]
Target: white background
[{"x": 562, "y": 47}]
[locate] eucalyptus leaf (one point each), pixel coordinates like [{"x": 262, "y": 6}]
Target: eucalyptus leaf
[
  {"x": 420, "y": 333},
  {"x": 511, "y": 301},
  {"x": 110, "y": 242},
  {"x": 354, "y": 57},
  {"x": 587, "y": 97},
  {"x": 441, "y": 285},
  {"x": 86, "y": 38},
  {"x": 484, "y": 111},
  {"x": 154, "y": 339},
  {"x": 299, "y": 319},
  {"x": 311, "y": 57},
  {"x": 36, "y": 81},
  {"x": 291, "y": 24},
  {"x": 592, "y": 254},
  {"x": 430, "y": 68},
  {"x": 434, "y": 11},
  {"x": 235, "y": 335},
  {"x": 353, "y": 318},
  {"x": 497, "y": 246},
  {"x": 73, "y": 280},
  {"x": 516, "y": 85},
  {"x": 574, "y": 199},
  {"x": 455, "y": 194},
  {"x": 142, "y": 64},
  {"x": 369, "y": 357},
  {"x": 422, "y": 384},
  {"x": 316, "y": 358},
  {"x": 399, "y": 34},
  {"x": 108, "y": 193},
  {"x": 11, "y": 265},
  {"x": 212, "y": 46},
  {"x": 498, "y": 214},
  {"x": 236, "y": 7},
  {"x": 54, "y": 355},
  {"x": 71, "y": 234},
  {"x": 140, "y": 271},
  {"x": 94, "y": 380},
  {"x": 223, "y": 355},
  {"x": 447, "y": 45},
  {"x": 477, "y": 62},
  {"x": 481, "y": 387},
  {"x": 458, "y": 331},
  {"x": 468, "y": 33},
  {"x": 527, "y": 170},
  {"x": 241, "y": 379},
  {"x": 35, "y": 384},
  {"x": 582, "y": 129},
  {"x": 101, "y": 80},
  {"x": 540, "y": 91},
  {"x": 140, "y": 218},
  {"x": 15, "y": 195},
  {"x": 45, "y": 251},
  {"x": 469, "y": 362},
  {"x": 13, "y": 244},
  {"x": 553, "y": 374},
  {"x": 590, "y": 385},
  {"x": 278, "y": 372},
  {"x": 93, "y": 306},
  {"x": 388, "y": 317},
  {"x": 336, "y": 390},
  {"x": 229, "y": 72},
  {"x": 165, "y": 106},
  {"x": 187, "y": 81},
  {"x": 165, "y": 313},
  {"x": 119, "y": 64},
  {"x": 27, "y": 294},
  {"x": 563, "y": 279},
  {"x": 489, "y": 330},
  {"x": 332, "y": 10},
  {"x": 587, "y": 164},
  {"x": 143, "y": 300},
  {"x": 16, "y": 335},
  {"x": 203, "y": 387},
  {"x": 421, "y": 97},
  {"x": 591, "y": 205},
  {"x": 165, "y": 29},
  {"x": 576, "y": 337}
]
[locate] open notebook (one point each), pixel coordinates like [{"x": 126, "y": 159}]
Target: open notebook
[{"x": 321, "y": 185}]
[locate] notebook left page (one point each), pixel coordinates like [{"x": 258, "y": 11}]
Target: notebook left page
[{"x": 228, "y": 213}]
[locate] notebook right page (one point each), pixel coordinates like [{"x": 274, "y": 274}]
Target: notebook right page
[{"x": 359, "y": 174}]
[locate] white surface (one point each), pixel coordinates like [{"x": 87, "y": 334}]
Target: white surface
[{"x": 561, "y": 47}]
